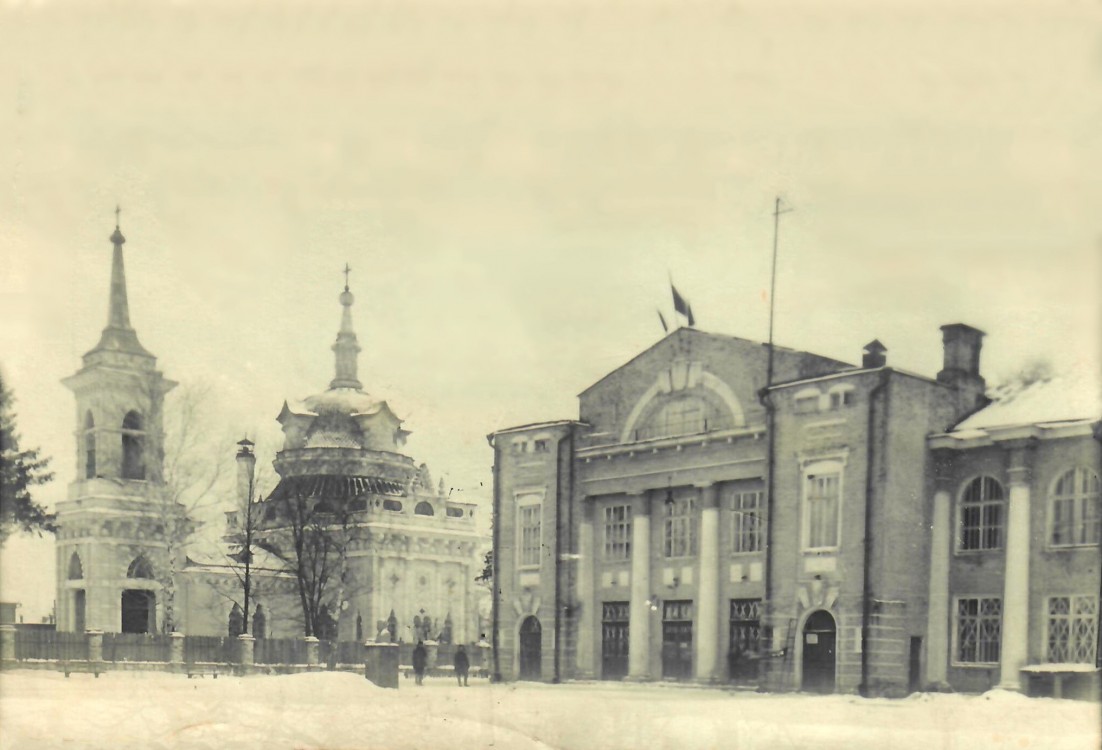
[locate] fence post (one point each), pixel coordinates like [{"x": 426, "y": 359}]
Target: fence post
[
  {"x": 245, "y": 644},
  {"x": 95, "y": 644},
  {"x": 176, "y": 648},
  {"x": 432, "y": 651},
  {"x": 381, "y": 663},
  {"x": 311, "y": 651},
  {"x": 7, "y": 643}
]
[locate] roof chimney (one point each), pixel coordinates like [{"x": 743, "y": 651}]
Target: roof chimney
[
  {"x": 875, "y": 355},
  {"x": 961, "y": 366}
]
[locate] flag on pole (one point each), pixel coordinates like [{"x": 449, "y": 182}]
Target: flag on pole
[
  {"x": 679, "y": 303},
  {"x": 662, "y": 318}
]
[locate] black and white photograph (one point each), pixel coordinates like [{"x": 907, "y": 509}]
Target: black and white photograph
[{"x": 557, "y": 374}]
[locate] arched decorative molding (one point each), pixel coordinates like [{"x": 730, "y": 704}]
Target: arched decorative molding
[
  {"x": 683, "y": 376},
  {"x": 140, "y": 567}
]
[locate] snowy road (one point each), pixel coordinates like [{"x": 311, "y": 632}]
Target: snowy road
[{"x": 335, "y": 711}]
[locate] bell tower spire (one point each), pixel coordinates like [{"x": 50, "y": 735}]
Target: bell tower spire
[
  {"x": 118, "y": 336},
  {"x": 346, "y": 348}
]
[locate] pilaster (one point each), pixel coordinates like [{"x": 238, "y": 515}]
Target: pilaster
[
  {"x": 1014, "y": 649},
  {"x": 639, "y": 615},
  {"x": 938, "y": 622},
  {"x": 707, "y": 636}
]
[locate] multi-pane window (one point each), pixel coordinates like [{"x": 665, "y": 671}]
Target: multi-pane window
[
  {"x": 1075, "y": 509},
  {"x": 747, "y": 520},
  {"x": 745, "y": 624},
  {"x": 617, "y": 532},
  {"x": 1072, "y": 629},
  {"x": 542, "y": 445},
  {"x": 680, "y": 528},
  {"x": 981, "y": 515},
  {"x": 822, "y": 492},
  {"x": 979, "y": 625},
  {"x": 841, "y": 398},
  {"x": 529, "y": 525}
]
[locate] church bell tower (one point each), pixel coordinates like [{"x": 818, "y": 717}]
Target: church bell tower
[{"x": 111, "y": 549}]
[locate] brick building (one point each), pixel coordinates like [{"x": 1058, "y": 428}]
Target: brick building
[{"x": 824, "y": 533}]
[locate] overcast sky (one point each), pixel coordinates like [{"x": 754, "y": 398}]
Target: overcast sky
[{"x": 512, "y": 181}]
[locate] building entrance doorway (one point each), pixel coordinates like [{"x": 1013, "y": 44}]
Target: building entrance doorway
[
  {"x": 914, "y": 668},
  {"x": 820, "y": 640},
  {"x": 531, "y": 648},
  {"x": 677, "y": 640},
  {"x": 139, "y": 612},
  {"x": 614, "y": 640},
  {"x": 79, "y": 599}
]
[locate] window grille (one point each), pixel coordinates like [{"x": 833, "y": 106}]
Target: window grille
[
  {"x": 1072, "y": 629},
  {"x": 979, "y": 629}
]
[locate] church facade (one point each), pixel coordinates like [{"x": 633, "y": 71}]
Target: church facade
[
  {"x": 400, "y": 557},
  {"x": 835, "y": 528}
]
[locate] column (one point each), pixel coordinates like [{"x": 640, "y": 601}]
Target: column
[
  {"x": 938, "y": 616},
  {"x": 176, "y": 648},
  {"x": 1014, "y": 649},
  {"x": 639, "y": 615},
  {"x": 706, "y": 638},
  {"x": 311, "y": 651},
  {"x": 245, "y": 644},
  {"x": 587, "y": 601},
  {"x": 7, "y": 643}
]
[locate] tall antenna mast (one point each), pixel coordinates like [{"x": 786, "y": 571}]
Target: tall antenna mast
[{"x": 773, "y": 287}]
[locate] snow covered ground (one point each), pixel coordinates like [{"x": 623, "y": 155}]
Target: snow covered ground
[{"x": 337, "y": 711}]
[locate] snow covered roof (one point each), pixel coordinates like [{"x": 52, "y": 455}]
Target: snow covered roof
[{"x": 1072, "y": 396}]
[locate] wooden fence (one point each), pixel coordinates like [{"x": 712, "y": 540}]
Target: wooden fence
[
  {"x": 125, "y": 647},
  {"x": 49, "y": 644}
]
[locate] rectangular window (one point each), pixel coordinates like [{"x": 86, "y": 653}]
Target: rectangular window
[
  {"x": 838, "y": 399},
  {"x": 821, "y": 507},
  {"x": 618, "y": 532},
  {"x": 542, "y": 446},
  {"x": 529, "y": 525},
  {"x": 747, "y": 520},
  {"x": 979, "y": 629},
  {"x": 1072, "y": 629},
  {"x": 680, "y": 528},
  {"x": 807, "y": 404}
]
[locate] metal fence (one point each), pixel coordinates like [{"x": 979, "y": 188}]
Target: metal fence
[
  {"x": 281, "y": 651},
  {"x": 49, "y": 644},
  {"x": 209, "y": 649},
  {"x": 135, "y": 647}
]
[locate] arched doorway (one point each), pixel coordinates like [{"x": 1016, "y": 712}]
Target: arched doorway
[
  {"x": 138, "y": 611},
  {"x": 819, "y": 647},
  {"x": 530, "y": 648}
]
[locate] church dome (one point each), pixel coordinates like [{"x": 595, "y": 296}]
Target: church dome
[{"x": 349, "y": 401}]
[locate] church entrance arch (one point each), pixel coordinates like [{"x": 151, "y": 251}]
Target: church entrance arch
[
  {"x": 531, "y": 645},
  {"x": 819, "y": 647},
  {"x": 139, "y": 611}
]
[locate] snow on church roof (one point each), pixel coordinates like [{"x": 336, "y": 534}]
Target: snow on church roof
[{"x": 1073, "y": 396}]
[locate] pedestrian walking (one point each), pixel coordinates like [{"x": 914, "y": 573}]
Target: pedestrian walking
[
  {"x": 462, "y": 665},
  {"x": 420, "y": 658}
]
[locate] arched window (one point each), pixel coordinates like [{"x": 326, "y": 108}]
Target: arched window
[
  {"x": 1075, "y": 508},
  {"x": 981, "y": 515},
  {"x": 76, "y": 570},
  {"x": 89, "y": 446},
  {"x": 424, "y": 508},
  {"x": 140, "y": 568},
  {"x": 684, "y": 415},
  {"x": 133, "y": 460}
]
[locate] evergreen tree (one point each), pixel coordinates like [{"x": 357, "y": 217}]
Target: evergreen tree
[{"x": 19, "y": 470}]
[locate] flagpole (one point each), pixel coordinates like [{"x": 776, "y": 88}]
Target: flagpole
[{"x": 773, "y": 287}]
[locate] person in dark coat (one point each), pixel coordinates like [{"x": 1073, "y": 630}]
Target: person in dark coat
[
  {"x": 462, "y": 665},
  {"x": 420, "y": 658}
]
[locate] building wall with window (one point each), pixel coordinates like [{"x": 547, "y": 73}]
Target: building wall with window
[
  {"x": 1054, "y": 473},
  {"x": 674, "y": 562}
]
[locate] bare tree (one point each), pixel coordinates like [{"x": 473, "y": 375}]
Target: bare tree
[
  {"x": 193, "y": 468},
  {"x": 313, "y": 537}
]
